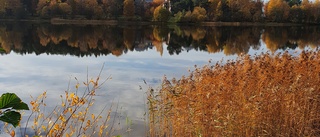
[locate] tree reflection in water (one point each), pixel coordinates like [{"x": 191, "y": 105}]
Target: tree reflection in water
[{"x": 117, "y": 40}]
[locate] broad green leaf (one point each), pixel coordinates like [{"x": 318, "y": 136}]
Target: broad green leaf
[
  {"x": 9, "y": 100},
  {"x": 11, "y": 117},
  {"x": 21, "y": 106}
]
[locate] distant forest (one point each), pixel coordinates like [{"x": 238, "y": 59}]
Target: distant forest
[{"x": 294, "y": 11}]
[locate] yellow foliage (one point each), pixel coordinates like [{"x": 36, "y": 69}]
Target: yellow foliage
[
  {"x": 72, "y": 117},
  {"x": 277, "y": 10},
  {"x": 199, "y": 14}
]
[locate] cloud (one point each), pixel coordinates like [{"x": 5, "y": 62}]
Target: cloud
[{"x": 32, "y": 75}]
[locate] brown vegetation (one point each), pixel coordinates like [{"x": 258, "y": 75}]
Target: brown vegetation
[
  {"x": 264, "y": 95},
  {"x": 74, "y": 117}
]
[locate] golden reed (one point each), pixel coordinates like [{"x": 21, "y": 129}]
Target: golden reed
[{"x": 263, "y": 95}]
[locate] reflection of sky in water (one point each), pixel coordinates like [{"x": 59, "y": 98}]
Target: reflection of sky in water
[{"x": 31, "y": 75}]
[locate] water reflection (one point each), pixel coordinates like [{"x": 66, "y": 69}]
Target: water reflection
[
  {"x": 123, "y": 51},
  {"x": 118, "y": 40}
]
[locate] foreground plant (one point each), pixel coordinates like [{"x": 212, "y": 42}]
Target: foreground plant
[
  {"x": 10, "y": 104},
  {"x": 72, "y": 117},
  {"x": 264, "y": 95}
]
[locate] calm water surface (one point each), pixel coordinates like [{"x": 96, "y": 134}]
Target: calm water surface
[{"x": 41, "y": 57}]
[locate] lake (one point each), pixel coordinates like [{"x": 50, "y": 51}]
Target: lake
[{"x": 44, "y": 57}]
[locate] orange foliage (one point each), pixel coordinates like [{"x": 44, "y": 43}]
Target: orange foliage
[
  {"x": 265, "y": 95},
  {"x": 277, "y": 10},
  {"x": 158, "y": 2}
]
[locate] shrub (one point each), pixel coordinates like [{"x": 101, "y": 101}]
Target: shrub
[{"x": 74, "y": 117}]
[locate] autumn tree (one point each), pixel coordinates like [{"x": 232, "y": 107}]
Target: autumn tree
[
  {"x": 198, "y": 14},
  {"x": 140, "y": 9},
  {"x": 256, "y": 11},
  {"x": 180, "y": 5},
  {"x": 293, "y": 2},
  {"x": 158, "y": 2},
  {"x": 316, "y": 13},
  {"x": 31, "y": 6},
  {"x": 149, "y": 10},
  {"x": 201, "y": 3},
  {"x": 43, "y": 8},
  {"x": 219, "y": 11},
  {"x": 12, "y": 8},
  {"x": 128, "y": 8},
  {"x": 64, "y": 9},
  {"x": 212, "y": 5},
  {"x": 92, "y": 9},
  {"x": 215, "y": 11},
  {"x": 161, "y": 14},
  {"x": 307, "y": 9},
  {"x": 277, "y": 10},
  {"x": 239, "y": 9},
  {"x": 2, "y": 8},
  {"x": 296, "y": 15},
  {"x": 187, "y": 17},
  {"x": 112, "y": 8}
]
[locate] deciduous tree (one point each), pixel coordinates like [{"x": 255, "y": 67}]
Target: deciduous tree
[
  {"x": 11, "y": 7},
  {"x": 181, "y": 5},
  {"x": 161, "y": 14},
  {"x": 293, "y": 2},
  {"x": 277, "y": 10},
  {"x": 128, "y": 8},
  {"x": 317, "y": 11},
  {"x": 198, "y": 14},
  {"x": 112, "y": 8},
  {"x": 2, "y": 7},
  {"x": 307, "y": 9}
]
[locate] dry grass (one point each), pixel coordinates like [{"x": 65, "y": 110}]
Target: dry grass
[
  {"x": 75, "y": 115},
  {"x": 264, "y": 95}
]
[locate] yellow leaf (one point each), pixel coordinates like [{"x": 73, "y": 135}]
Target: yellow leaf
[
  {"x": 13, "y": 133},
  {"x": 92, "y": 116},
  {"x": 56, "y": 127},
  {"x": 77, "y": 86},
  {"x": 44, "y": 127},
  {"x": 88, "y": 123},
  {"x": 71, "y": 95},
  {"x": 62, "y": 118},
  {"x": 70, "y": 110}
]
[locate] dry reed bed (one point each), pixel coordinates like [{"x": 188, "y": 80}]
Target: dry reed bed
[{"x": 264, "y": 95}]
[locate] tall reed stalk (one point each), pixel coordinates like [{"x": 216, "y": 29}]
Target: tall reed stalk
[{"x": 263, "y": 95}]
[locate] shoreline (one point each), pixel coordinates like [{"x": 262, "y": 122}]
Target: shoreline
[{"x": 58, "y": 21}]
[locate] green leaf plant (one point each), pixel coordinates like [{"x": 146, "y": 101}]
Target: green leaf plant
[{"x": 10, "y": 104}]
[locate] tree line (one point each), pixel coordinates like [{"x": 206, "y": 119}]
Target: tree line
[{"x": 295, "y": 11}]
